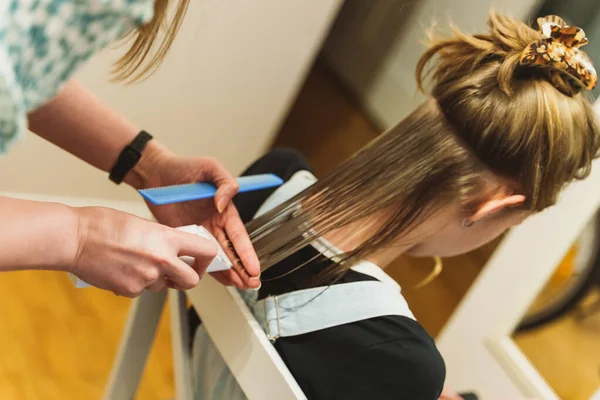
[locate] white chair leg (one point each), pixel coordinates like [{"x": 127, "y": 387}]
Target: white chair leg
[
  {"x": 135, "y": 346},
  {"x": 181, "y": 345}
]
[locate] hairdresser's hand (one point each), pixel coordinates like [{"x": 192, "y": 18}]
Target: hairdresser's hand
[
  {"x": 126, "y": 254},
  {"x": 218, "y": 215}
]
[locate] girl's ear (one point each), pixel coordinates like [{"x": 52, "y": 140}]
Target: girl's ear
[{"x": 495, "y": 205}]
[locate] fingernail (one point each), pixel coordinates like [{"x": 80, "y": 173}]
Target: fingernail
[
  {"x": 221, "y": 205},
  {"x": 255, "y": 279},
  {"x": 258, "y": 287}
]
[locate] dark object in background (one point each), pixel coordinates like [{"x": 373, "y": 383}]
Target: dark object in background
[
  {"x": 469, "y": 396},
  {"x": 571, "y": 297}
]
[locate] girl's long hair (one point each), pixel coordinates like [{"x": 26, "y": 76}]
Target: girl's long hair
[{"x": 486, "y": 116}]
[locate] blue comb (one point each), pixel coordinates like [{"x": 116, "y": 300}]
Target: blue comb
[{"x": 198, "y": 191}]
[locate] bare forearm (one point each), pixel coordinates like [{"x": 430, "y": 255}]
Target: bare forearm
[
  {"x": 35, "y": 235},
  {"x": 80, "y": 123}
]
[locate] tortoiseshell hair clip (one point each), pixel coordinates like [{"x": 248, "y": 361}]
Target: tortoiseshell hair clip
[{"x": 559, "y": 49}]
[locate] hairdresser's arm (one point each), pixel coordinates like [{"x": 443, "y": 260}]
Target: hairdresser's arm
[
  {"x": 29, "y": 235},
  {"x": 83, "y": 125},
  {"x": 106, "y": 248},
  {"x": 80, "y": 123}
]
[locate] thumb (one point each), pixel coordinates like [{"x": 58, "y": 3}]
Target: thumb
[
  {"x": 224, "y": 196},
  {"x": 227, "y": 186}
]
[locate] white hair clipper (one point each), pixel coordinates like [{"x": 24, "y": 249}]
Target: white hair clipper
[{"x": 220, "y": 262}]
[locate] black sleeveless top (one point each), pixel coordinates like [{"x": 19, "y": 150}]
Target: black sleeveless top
[{"x": 390, "y": 357}]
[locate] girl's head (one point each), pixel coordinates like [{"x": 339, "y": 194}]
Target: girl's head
[
  {"x": 531, "y": 130},
  {"x": 496, "y": 141}
]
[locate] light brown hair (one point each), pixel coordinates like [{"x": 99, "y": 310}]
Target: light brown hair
[
  {"x": 142, "y": 58},
  {"x": 486, "y": 116}
]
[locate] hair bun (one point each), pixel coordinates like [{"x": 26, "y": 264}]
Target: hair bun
[
  {"x": 559, "y": 51},
  {"x": 512, "y": 51}
]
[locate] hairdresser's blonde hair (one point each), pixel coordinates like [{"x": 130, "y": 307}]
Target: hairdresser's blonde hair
[
  {"x": 487, "y": 117},
  {"x": 143, "y": 58}
]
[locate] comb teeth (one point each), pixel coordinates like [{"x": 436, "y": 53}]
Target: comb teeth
[{"x": 202, "y": 190}]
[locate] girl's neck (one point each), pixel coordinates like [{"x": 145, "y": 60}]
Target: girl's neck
[{"x": 352, "y": 235}]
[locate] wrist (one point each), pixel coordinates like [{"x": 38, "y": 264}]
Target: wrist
[
  {"x": 145, "y": 173},
  {"x": 66, "y": 247},
  {"x": 89, "y": 220}
]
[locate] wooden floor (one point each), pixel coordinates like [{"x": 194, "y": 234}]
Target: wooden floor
[
  {"x": 567, "y": 353},
  {"x": 57, "y": 342}
]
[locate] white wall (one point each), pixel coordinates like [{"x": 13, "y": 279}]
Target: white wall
[
  {"x": 375, "y": 46},
  {"x": 223, "y": 90}
]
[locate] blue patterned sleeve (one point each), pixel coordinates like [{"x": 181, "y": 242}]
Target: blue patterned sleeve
[{"x": 42, "y": 42}]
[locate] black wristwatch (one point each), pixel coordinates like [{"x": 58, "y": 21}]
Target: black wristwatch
[{"x": 129, "y": 157}]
